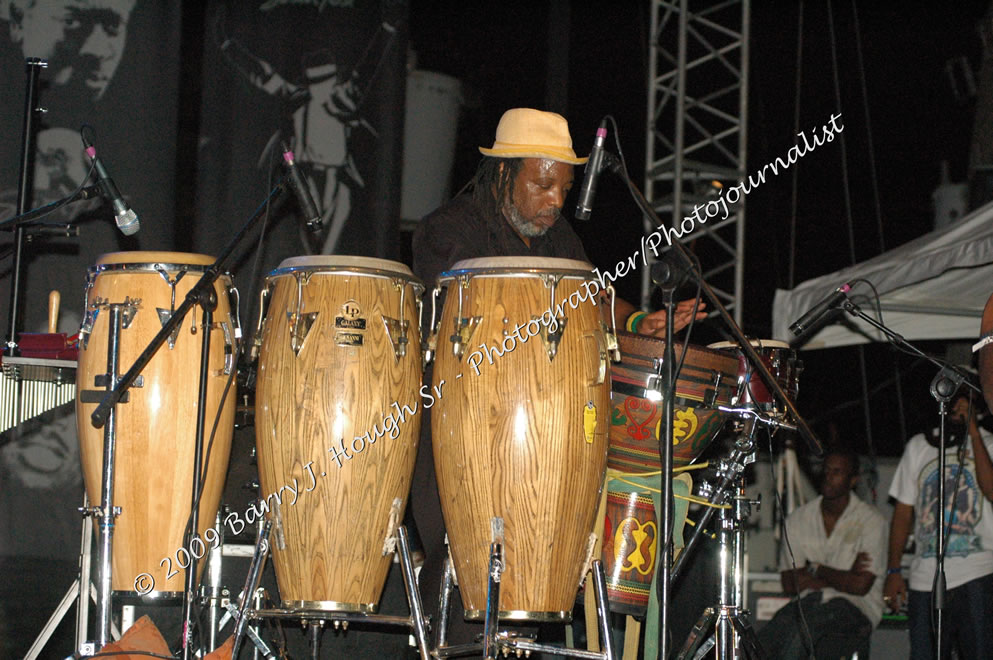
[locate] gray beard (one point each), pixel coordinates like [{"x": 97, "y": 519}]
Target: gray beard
[{"x": 524, "y": 227}]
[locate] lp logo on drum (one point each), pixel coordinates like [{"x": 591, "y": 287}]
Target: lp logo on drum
[{"x": 350, "y": 316}]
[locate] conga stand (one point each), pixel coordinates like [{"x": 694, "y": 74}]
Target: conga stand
[
  {"x": 103, "y": 414},
  {"x": 120, "y": 316},
  {"x": 416, "y": 623},
  {"x": 727, "y": 619},
  {"x": 496, "y": 641}
]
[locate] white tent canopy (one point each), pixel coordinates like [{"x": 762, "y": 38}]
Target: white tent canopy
[{"x": 934, "y": 287}]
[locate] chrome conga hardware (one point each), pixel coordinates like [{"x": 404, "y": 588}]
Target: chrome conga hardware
[
  {"x": 253, "y": 353},
  {"x": 612, "y": 345},
  {"x": 464, "y": 326},
  {"x": 430, "y": 342}
]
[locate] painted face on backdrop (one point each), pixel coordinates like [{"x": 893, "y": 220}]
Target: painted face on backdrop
[
  {"x": 537, "y": 196},
  {"x": 83, "y": 40},
  {"x": 839, "y": 477}
]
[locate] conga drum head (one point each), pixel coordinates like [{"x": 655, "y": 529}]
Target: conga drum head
[
  {"x": 333, "y": 263},
  {"x": 523, "y": 265},
  {"x": 142, "y": 260}
]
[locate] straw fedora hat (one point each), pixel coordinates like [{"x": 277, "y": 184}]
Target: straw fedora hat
[{"x": 528, "y": 133}]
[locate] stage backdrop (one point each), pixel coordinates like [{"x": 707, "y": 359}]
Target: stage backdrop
[
  {"x": 115, "y": 66},
  {"x": 325, "y": 77}
]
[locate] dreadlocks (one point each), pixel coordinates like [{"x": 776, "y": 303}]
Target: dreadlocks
[{"x": 491, "y": 186}]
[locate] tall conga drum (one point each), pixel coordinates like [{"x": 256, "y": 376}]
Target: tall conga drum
[
  {"x": 337, "y": 416},
  {"x": 519, "y": 431},
  {"x": 156, "y": 427}
]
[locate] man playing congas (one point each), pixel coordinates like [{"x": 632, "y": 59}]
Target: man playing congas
[{"x": 512, "y": 209}]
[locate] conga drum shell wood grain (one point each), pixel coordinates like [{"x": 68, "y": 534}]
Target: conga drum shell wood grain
[
  {"x": 521, "y": 433},
  {"x": 337, "y": 412},
  {"x": 156, "y": 427}
]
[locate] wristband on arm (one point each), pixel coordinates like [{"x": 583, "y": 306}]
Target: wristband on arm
[{"x": 631, "y": 325}]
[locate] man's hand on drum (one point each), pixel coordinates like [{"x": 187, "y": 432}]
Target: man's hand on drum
[{"x": 654, "y": 323}]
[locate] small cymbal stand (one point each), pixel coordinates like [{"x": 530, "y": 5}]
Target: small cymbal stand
[{"x": 732, "y": 631}]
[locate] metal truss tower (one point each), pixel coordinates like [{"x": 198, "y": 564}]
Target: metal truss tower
[{"x": 696, "y": 137}]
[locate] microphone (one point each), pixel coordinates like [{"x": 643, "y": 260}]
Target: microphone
[
  {"x": 127, "y": 220},
  {"x": 818, "y": 311},
  {"x": 593, "y": 166},
  {"x": 312, "y": 217}
]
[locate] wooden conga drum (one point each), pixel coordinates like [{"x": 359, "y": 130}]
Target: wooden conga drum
[
  {"x": 337, "y": 413},
  {"x": 156, "y": 428},
  {"x": 521, "y": 433}
]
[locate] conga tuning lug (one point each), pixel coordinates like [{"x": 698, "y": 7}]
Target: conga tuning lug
[
  {"x": 396, "y": 330},
  {"x": 87, "y": 327},
  {"x": 229, "y": 352},
  {"x": 613, "y": 348},
  {"x": 164, "y": 316},
  {"x": 300, "y": 325},
  {"x": 552, "y": 339},
  {"x": 464, "y": 328},
  {"x": 260, "y": 326}
]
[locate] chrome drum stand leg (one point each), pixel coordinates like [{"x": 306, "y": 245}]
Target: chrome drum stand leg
[
  {"x": 120, "y": 316},
  {"x": 316, "y": 619},
  {"x": 495, "y": 641},
  {"x": 733, "y": 636}
]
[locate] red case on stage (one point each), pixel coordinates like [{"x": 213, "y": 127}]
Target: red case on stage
[{"x": 51, "y": 346}]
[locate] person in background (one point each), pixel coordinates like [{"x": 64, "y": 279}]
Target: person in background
[
  {"x": 839, "y": 552},
  {"x": 968, "y": 517}
]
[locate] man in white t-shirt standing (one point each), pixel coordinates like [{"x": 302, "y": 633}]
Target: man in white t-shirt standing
[
  {"x": 968, "y": 536},
  {"x": 839, "y": 549}
]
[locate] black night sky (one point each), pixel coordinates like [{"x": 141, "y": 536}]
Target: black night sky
[{"x": 501, "y": 51}]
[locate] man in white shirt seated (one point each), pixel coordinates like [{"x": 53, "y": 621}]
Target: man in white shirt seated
[{"x": 839, "y": 553}]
